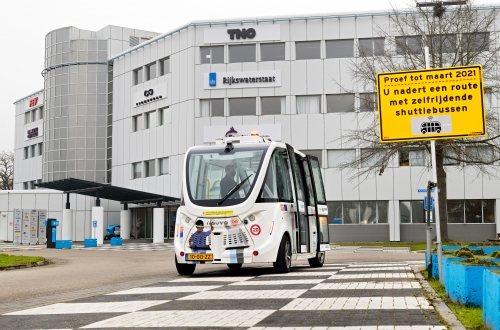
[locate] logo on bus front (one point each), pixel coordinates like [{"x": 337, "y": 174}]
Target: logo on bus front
[{"x": 255, "y": 230}]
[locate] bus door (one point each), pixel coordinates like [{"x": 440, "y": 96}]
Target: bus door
[
  {"x": 321, "y": 207},
  {"x": 301, "y": 223},
  {"x": 310, "y": 197}
]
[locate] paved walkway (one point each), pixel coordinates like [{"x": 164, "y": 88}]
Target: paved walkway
[
  {"x": 338, "y": 296},
  {"x": 106, "y": 247}
]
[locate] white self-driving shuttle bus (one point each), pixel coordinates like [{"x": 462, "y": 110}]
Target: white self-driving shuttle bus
[{"x": 247, "y": 199}]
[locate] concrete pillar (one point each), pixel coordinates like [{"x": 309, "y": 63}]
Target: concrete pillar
[
  {"x": 394, "y": 223},
  {"x": 98, "y": 224},
  {"x": 125, "y": 222},
  {"x": 497, "y": 215},
  {"x": 67, "y": 225},
  {"x": 158, "y": 225}
]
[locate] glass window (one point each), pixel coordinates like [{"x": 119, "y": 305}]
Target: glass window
[
  {"x": 306, "y": 50},
  {"x": 334, "y": 213},
  {"x": 135, "y": 123},
  {"x": 350, "y": 213},
  {"x": 368, "y": 212},
  {"x": 488, "y": 210},
  {"x": 211, "y": 54},
  {"x": 212, "y": 108},
  {"x": 164, "y": 66},
  {"x": 277, "y": 185},
  {"x": 476, "y": 42},
  {"x": 371, "y": 47},
  {"x": 410, "y": 45},
  {"x": 25, "y": 185},
  {"x": 40, "y": 113},
  {"x": 244, "y": 106},
  {"x": 137, "y": 76},
  {"x": 27, "y": 117},
  {"x": 148, "y": 119},
  {"x": 383, "y": 211},
  {"x": 367, "y": 102},
  {"x": 40, "y": 149},
  {"x": 151, "y": 71},
  {"x": 412, "y": 157},
  {"x": 272, "y": 51},
  {"x": 241, "y": 53},
  {"x": 309, "y": 104},
  {"x": 480, "y": 154},
  {"x": 163, "y": 166},
  {"x": 445, "y": 43},
  {"x": 370, "y": 157},
  {"x": 341, "y": 157},
  {"x": 136, "y": 170},
  {"x": 318, "y": 153},
  {"x": 150, "y": 167},
  {"x": 473, "y": 211},
  {"x": 340, "y": 103},
  {"x": 33, "y": 115},
  {"x": 161, "y": 116},
  {"x": 455, "y": 211},
  {"x": 318, "y": 182},
  {"x": 272, "y": 105},
  {"x": 451, "y": 157},
  {"x": 26, "y": 152},
  {"x": 339, "y": 48},
  {"x": 32, "y": 150}
]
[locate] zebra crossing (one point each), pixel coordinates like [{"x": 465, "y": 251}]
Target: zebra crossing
[{"x": 336, "y": 296}]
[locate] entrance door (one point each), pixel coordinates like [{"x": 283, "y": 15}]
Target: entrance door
[
  {"x": 300, "y": 201},
  {"x": 311, "y": 204},
  {"x": 322, "y": 209}
]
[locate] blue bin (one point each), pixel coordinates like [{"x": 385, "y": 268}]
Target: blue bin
[
  {"x": 116, "y": 241},
  {"x": 64, "y": 244},
  {"x": 90, "y": 242},
  {"x": 491, "y": 299}
]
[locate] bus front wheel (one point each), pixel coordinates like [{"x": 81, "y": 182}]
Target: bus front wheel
[
  {"x": 284, "y": 259},
  {"x": 318, "y": 260},
  {"x": 184, "y": 269}
]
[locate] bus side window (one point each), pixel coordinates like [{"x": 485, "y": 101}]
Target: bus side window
[{"x": 277, "y": 185}]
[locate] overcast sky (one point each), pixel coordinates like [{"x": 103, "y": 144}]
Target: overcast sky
[{"x": 24, "y": 24}]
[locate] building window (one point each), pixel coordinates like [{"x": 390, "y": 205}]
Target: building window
[
  {"x": 371, "y": 47},
  {"x": 451, "y": 157},
  {"x": 480, "y": 154},
  {"x": 27, "y": 117},
  {"x": 307, "y": 50},
  {"x": 161, "y": 116},
  {"x": 339, "y": 48},
  {"x": 340, "y": 103},
  {"x": 151, "y": 71},
  {"x": 32, "y": 150},
  {"x": 33, "y": 115},
  {"x": 367, "y": 102},
  {"x": 308, "y": 104},
  {"x": 25, "y": 186},
  {"x": 148, "y": 119},
  {"x": 41, "y": 113},
  {"x": 212, "y": 108},
  {"x": 318, "y": 153},
  {"x": 241, "y": 53},
  {"x": 163, "y": 168},
  {"x": 40, "y": 149},
  {"x": 211, "y": 54},
  {"x": 341, "y": 157},
  {"x": 26, "y": 152},
  {"x": 476, "y": 42},
  {"x": 410, "y": 45},
  {"x": 274, "y": 105},
  {"x": 136, "y": 170},
  {"x": 165, "y": 65},
  {"x": 358, "y": 212},
  {"x": 370, "y": 157},
  {"x": 444, "y": 43},
  {"x": 137, "y": 76},
  {"x": 150, "y": 167},
  {"x": 272, "y": 51},
  {"x": 412, "y": 157},
  {"x": 135, "y": 123},
  {"x": 242, "y": 106},
  {"x": 471, "y": 211},
  {"x": 412, "y": 211}
]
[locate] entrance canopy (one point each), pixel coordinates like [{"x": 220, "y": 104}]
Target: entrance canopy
[{"x": 106, "y": 191}]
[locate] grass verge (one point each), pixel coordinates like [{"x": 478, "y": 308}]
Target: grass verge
[
  {"x": 7, "y": 260},
  {"x": 414, "y": 246},
  {"x": 470, "y": 317}
]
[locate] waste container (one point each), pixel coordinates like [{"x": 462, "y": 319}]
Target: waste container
[{"x": 51, "y": 232}]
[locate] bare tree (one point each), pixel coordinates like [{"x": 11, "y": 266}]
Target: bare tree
[
  {"x": 6, "y": 170},
  {"x": 456, "y": 36}
]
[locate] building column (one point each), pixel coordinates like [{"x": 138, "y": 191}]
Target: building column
[
  {"x": 125, "y": 222},
  {"x": 394, "y": 223},
  {"x": 98, "y": 224},
  {"x": 67, "y": 222},
  {"x": 158, "y": 224}
]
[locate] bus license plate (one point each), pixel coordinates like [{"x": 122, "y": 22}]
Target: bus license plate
[{"x": 199, "y": 257}]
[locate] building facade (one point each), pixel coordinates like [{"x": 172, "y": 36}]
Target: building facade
[{"x": 291, "y": 78}]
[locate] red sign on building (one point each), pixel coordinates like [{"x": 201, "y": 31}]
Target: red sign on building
[{"x": 33, "y": 102}]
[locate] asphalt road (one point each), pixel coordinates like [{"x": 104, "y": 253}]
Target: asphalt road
[{"x": 75, "y": 274}]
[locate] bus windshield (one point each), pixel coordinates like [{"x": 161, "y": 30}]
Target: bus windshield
[{"x": 219, "y": 178}]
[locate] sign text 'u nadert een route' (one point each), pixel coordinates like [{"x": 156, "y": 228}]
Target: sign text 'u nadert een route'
[{"x": 431, "y": 104}]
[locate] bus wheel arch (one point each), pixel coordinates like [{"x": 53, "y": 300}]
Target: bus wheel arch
[
  {"x": 318, "y": 260},
  {"x": 283, "y": 261},
  {"x": 184, "y": 269}
]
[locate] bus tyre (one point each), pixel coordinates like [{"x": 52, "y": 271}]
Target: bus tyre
[
  {"x": 318, "y": 260},
  {"x": 184, "y": 269},
  {"x": 234, "y": 266},
  {"x": 284, "y": 259}
]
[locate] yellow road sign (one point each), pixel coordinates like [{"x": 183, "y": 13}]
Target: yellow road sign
[{"x": 431, "y": 104}]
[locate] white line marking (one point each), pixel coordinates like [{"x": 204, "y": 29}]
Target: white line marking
[
  {"x": 279, "y": 282},
  {"x": 349, "y": 303},
  {"x": 166, "y": 289},
  {"x": 85, "y": 308},
  {"x": 212, "y": 279},
  {"x": 245, "y": 294}
]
